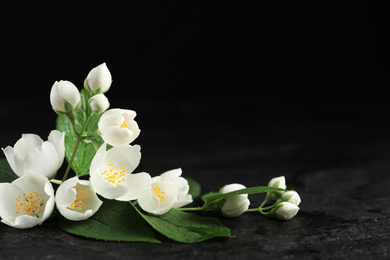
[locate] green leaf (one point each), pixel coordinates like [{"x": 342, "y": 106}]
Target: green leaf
[
  {"x": 6, "y": 173},
  {"x": 195, "y": 188},
  {"x": 185, "y": 227},
  {"x": 114, "y": 221},
  {"x": 213, "y": 198},
  {"x": 86, "y": 149}
]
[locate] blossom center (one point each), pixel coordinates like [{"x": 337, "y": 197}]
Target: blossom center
[
  {"x": 124, "y": 124},
  {"x": 28, "y": 204},
  {"x": 156, "y": 191},
  {"x": 114, "y": 175},
  {"x": 78, "y": 203}
]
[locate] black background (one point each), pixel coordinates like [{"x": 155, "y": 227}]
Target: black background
[
  {"x": 235, "y": 60},
  {"x": 234, "y": 92},
  {"x": 197, "y": 66}
]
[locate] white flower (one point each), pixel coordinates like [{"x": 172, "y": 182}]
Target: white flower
[
  {"x": 174, "y": 176},
  {"x": 99, "y": 103},
  {"x": 117, "y": 127},
  {"x": 292, "y": 197},
  {"x": 286, "y": 211},
  {"x": 278, "y": 182},
  {"x": 27, "y": 201},
  {"x": 99, "y": 79},
  {"x": 160, "y": 198},
  {"x": 235, "y": 205},
  {"x": 31, "y": 153},
  {"x": 111, "y": 173},
  {"x": 63, "y": 93},
  {"x": 76, "y": 199}
]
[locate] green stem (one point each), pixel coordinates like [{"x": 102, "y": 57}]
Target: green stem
[
  {"x": 79, "y": 138},
  {"x": 196, "y": 209},
  {"x": 263, "y": 203},
  {"x": 253, "y": 210},
  {"x": 269, "y": 207},
  {"x": 191, "y": 209},
  {"x": 260, "y": 209}
]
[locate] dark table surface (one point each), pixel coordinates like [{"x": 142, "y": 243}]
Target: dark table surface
[{"x": 339, "y": 165}]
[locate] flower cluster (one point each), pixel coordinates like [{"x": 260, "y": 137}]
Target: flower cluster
[
  {"x": 110, "y": 172},
  {"x": 29, "y": 200},
  {"x": 284, "y": 208}
]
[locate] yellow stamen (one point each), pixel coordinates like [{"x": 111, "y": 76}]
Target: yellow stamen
[
  {"x": 28, "y": 204},
  {"x": 78, "y": 202},
  {"x": 124, "y": 124},
  {"x": 115, "y": 175},
  {"x": 157, "y": 192}
]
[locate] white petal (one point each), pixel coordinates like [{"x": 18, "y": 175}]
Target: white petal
[
  {"x": 66, "y": 194},
  {"x": 170, "y": 196},
  {"x": 56, "y": 101},
  {"x": 181, "y": 202},
  {"x": 133, "y": 127},
  {"x": 116, "y": 136},
  {"x": 73, "y": 214},
  {"x": 235, "y": 206},
  {"x": 14, "y": 161},
  {"x": 171, "y": 174},
  {"x": 97, "y": 160},
  {"x": 128, "y": 114},
  {"x": 233, "y": 187},
  {"x": 26, "y": 143},
  {"x": 112, "y": 117},
  {"x": 43, "y": 160},
  {"x": 57, "y": 138},
  {"x": 124, "y": 156},
  {"x": 49, "y": 200},
  {"x": 181, "y": 184},
  {"x": 148, "y": 202},
  {"x": 26, "y": 221},
  {"x": 137, "y": 184},
  {"x": 8, "y": 195},
  {"x": 31, "y": 181},
  {"x": 156, "y": 178},
  {"x": 108, "y": 190}
]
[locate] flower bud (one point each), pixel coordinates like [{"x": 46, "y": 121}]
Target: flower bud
[
  {"x": 286, "y": 211},
  {"x": 278, "y": 182},
  {"x": 64, "y": 97},
  {"x": 292, "y": 197},
  {"x": 235, "y": 205},
  {"x": 99, "y": 79},
  {"x": 99, "y": 103}
]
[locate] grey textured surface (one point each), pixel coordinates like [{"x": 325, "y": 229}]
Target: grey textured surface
[{"x": 340, "y": 173}]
